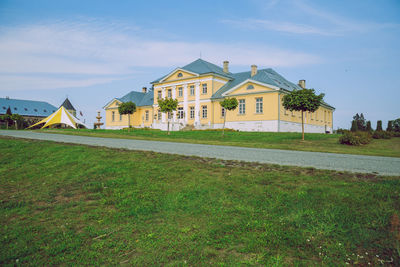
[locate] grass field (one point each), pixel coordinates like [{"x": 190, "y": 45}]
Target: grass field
[
  {"x": 78, "y": 205},
  {"x": 289, "y": 141}
]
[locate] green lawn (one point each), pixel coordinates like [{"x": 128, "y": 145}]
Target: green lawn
[
  {"x": 68, "y": 204},
  {"x": 290, "y": 141}
]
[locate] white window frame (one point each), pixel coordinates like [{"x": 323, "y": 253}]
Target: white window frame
[
  {"x": 159, "y": 94},
  {"x": 179, "y": 113},
  {"x": 120, "y": 117},
  {"x": 191, "y": 90},
  {"x": 223, "y": 113},
  {"x": 113, "y": 116},
  {"x": 180, "y": 91},
  {"x": 204, "y": 112},
  {"x": 192, "y": 111},
  {"x": 242, "y": 106},
  {"x": 204, "y": 88},
  {"x": 147, "y": 115},
  {"x": 259, "y": 105},
  {"x": 169, "y": 93}
]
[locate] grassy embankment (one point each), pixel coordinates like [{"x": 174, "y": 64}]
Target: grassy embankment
[
  {"x": 69, "y": 204},
  {"x": 289, "y": 141}
]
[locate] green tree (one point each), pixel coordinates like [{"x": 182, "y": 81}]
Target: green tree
[
  {"x": 368, "y": 128},
  {"x": 354, "y": 127},
  {"x": 396, "y": 125},
  {"x": 167, "y": 105},
  {"x": 389, "y": 126},
  {"x": 360, "y": 121},
  {"x": 127, "y": 108},
  {"x": 302, "y": 100},
  {"x": 17, "y": 119},
  {"x": 379, "y": 126},
  {"x": 228, "y": 104},
  {"x": 5, "y": 118}
]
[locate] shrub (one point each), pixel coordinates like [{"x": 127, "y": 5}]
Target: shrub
[
  {"x": 381, "y": 135},
  {"x": 355, "y": 138},
  {"x": 390, "y": 126},
  {"x": 340, "y": 131},
  {"x": 379, "y": 126}
]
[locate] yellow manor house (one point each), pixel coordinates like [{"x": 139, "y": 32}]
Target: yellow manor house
[{"x": 201, "y": 85}]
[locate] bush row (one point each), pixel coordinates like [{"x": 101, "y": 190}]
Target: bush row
[{"x": 355, "y": 138}]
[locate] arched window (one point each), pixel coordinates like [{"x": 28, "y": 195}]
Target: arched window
[
  {"x": 180, "y": 74},
  {"x": 250, "y": 86}
]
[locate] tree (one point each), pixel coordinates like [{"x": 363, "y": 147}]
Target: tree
[
  {"x": 379, "y": 126},
  {"x": 127, "y": 108},
  {"x": 369, "y": 128},
  {"x": 167, "y": 105},
  {"x": 228, "y": 104},
  {"x": 302, "y": 100},
  {"x": 17, "y": 118},
  {"x": 396, "y": 125},
  {"x": 354, "y": 127},
  {"x": 5, "y": 118},
  {"x": 360, "y": 121},
  {"x": 389, "y": 126}
]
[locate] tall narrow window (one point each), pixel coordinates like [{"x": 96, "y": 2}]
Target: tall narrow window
[
  {"x": 204, "y": 112},
  {"x": 222, "y": 112},
  {"x": 159, "y": 94},
  {"x": 159, "y": 115},
  {"x": 259, "y": 105},
  {"x": 242, "y": 106},
  {"x": 180, "y": 113},
  {"x": 180, "y": 92},
  {"x": 169, "y": 93},
  {"x": 120, "y": 117},
  {"x": 113, "y": 116},
  {"x": 147, "y": 115},
  {"x": 192, "y": 90},
  {"x": 192, "y": 112},
  {"x": 204, "y": 88}
]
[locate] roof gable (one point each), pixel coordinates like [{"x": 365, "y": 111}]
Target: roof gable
[{"x": 67, "y": 104}]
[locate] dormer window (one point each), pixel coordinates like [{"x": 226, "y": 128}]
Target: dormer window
[
  {"x": 35, "y": 110},
  {"x": 25, "y": 109},
  {"x": 250, "y": 86},
  {"x": 44, "y": 110},
  {"x": 180, "y": 74},
  {"x": 15, "y": 108}
]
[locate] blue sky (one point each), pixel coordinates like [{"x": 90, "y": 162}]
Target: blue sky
[{"x": 93, "y": 51}]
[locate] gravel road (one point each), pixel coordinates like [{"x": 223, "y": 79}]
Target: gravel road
[{"x": 329, "y": 161}]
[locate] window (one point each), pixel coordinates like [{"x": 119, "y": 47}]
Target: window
[
  {"x": 249, "y": 87},
  {"x": 259, "y": 105},
  {"x": 159, "y": 115},
  {"x": 147, "y": 115},
  {"x": 204, "y": 88},
  {"x": 44, "y": 110},
  {"x": 169, "y": 93},
  {"x": 180, "y": 74},
  {"x": 325, "y": 115},
  {"x": 222, "y": 112},
  {"x": 170, "y": 115},
  {"x": 242, "y": 106},
  {"x": 35, "y": 110},
  {"x": 180, "y": 113},
  {"x": 204, "y": 112},
  {"x": 159, "y": 94},
  {"x": 120, "y": 117},
  {"x": 180, "y": 92},
  {"x": 192, "y": 112},
  {"x": 15, "y": 108},
  {"x": 25, "y": 109},
  {"x": 4, "y": 108},
  {"x": 113, "y": 116},
  {"x": 192, "y": 90}
]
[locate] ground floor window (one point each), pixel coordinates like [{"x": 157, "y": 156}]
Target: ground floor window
[
  {"x": 113, "y": 116},
  {"x": 159, "y": 115},
  {"x": 242, "y": 106},
  {"x": 222, "y": 112},
  {"x": 120, "y": 117},
  {"x": 180, "y": 113},
  {"x": 204, "y": 112},
  {"x": 259, "y": 105},
  {"x": 192, "y": 112},
  {"x": 147, "y": 115}
]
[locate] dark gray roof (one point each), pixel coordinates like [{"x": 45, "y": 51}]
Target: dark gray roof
[
  {"x": 67, "y": 105},
  {"x": 26, "y": 107},
  {"x": 139, "y": 98}
]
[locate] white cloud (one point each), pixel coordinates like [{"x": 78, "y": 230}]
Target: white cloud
[{"x": 102, "y": 52}]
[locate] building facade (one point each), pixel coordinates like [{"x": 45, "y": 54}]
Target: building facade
[{"x": 201, "y": 85}]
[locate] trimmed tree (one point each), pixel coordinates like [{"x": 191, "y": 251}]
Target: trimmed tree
[
  {"x": 379, "y": 125},
  {"x": 369, "y": 128},
  {"x": 396, "y": 125},
  {"x": 127, "y": 108},
  {"x": 389, "y": 126},
  {"x": 228, "y": 104},
  {"x": 354, "y": 127},
  {"x": 167, "y": 105},
  {"x": 302, "y": 100}
]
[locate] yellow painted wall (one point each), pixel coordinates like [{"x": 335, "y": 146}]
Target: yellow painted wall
[
  {"x": 136, "y": 118},
  {"x": 175, "y": 77}
]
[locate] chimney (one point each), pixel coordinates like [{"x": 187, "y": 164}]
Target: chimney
[
  {"x": 144, "y": 90},
  {"x": 302, "y": 83},
  {"x": 226, "y": 66},
  {"x": 253, "y": 70}
]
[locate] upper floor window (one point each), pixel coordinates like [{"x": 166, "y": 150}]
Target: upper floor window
[
  {"x": 192, "y": 90},
  {"x": 204, "y": 88},
  {"x": 250, "y": 86},
  {"x": 222, "y": 112},
  {"x": 159, "y": 94},
  {"x": 204, "y": 112},
  {"x": 259, "y": 105},
  {"x": 180, "y": 74},
  {"x": 242, "y": 106},
  {"x": 180, "y": 113},
  {"x": 147, "y": 115},
  {"x": 113, "y": 116},
  {"x": 169, "y": 93},
  {"x": 192, "y": 112},
  {"x": 180, "y": 91}
]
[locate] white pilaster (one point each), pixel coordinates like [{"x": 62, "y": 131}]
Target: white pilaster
[
  {"x": 197, "y": 104},
  {"x": 173, "y": 97},
  {"x": 163, "y": 115},
  {"x": 185, "y": 102}
]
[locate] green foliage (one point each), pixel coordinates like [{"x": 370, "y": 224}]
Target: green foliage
[
  {"x": 360, "y": 121},
  {"x": 379, "y": 126},
  {"x": 229, "y": 103},
  {"x": 302, "y": 100},
  {"x": 381, "y": 135},
  {"x": 78, "y": 205},
  {"x": 355, "y": 138},
  {"x": 396, "y": 125},
  {"x": 127, "y": 108},
  {"x": 167, "y": 105},
  {"x": 368, "y": 128},
  {"x": 354, "y": 127},
  {"x": 389, "y": 126}
]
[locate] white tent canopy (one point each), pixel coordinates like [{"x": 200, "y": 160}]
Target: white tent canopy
[{"x": 61, "y": 116}]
